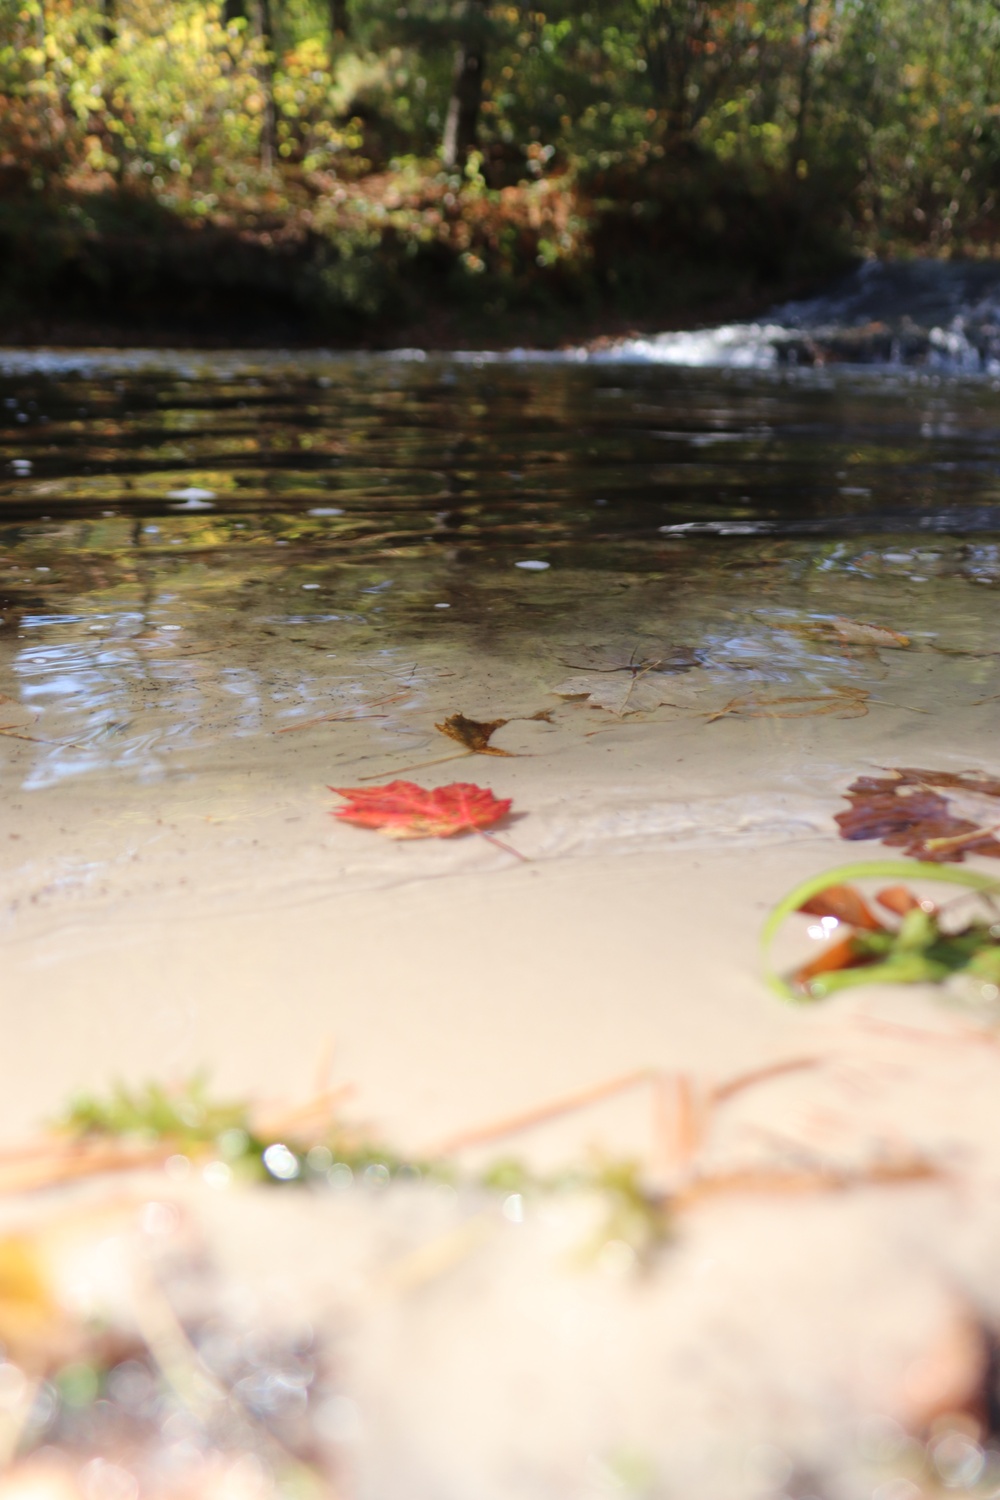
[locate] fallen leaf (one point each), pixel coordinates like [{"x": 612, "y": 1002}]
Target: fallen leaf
[
  {"x": 845, "y": 953},
  {"x": 862, "y": 633},
  {"x": 843, "y": 903},
  {"x": 845, "y": 702},
  {"x": 846, "y": 632},
  {"x": 933, "y": 815},
  {"x": 472, "y": 733},
  {"x": 403, "y": 810},
  {"x": 919, "y": 948},
  {"x": 898, "y": 899}
]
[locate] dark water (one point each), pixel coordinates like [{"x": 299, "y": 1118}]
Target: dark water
[{"x": 307, "y": 517}]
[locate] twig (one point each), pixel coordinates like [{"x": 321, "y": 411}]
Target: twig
[
  {"x": 820, "y": 1179},
  {"x": 328, "y": 719},
  {"x": 294, "y": 1122},
  {"x": 742, "y": 1081},
  {"x": 339, "y": 718},
  {"x": 71, "y": 1160},
  {"x": 418, "y": 765},
  {"x": 514, "y": 1124},
  {"x": 662, "y": 1142}
]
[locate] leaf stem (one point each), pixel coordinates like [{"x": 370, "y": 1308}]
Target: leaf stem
[{"x": 491, "y": 838}]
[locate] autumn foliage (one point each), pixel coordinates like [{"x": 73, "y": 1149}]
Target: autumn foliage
[{"x": 403, "y": 810}]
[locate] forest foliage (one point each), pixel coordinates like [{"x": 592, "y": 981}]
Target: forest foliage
[{"x": 373, "y": 152}]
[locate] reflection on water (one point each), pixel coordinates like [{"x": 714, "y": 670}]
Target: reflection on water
[{"x": 212, "y": 551}]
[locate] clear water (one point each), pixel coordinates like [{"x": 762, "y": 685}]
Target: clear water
[{"x": 198, "y": 550}]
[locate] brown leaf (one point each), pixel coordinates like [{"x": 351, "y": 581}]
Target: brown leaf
[
  {"x": 844, "y": 903},
  {"x": 933, "y": 815},
  {"x": 844, "y": 631},
  {"x": 843, "y": 955},
  {"x": 898, "y": 899},
  {"x": 863, "y": 633},
  {"x": 472, "y": 733}
]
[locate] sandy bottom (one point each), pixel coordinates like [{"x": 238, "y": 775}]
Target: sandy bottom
[{"x": 784, "y": 1342}]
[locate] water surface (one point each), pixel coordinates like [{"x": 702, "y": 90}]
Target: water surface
[{"x": 199, "y": 551}]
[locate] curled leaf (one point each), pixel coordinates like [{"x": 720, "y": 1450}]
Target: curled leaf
[
  {"x": 900, "y": 900},
  {"x": 473, "y": 733},
  {"x": 843, "y": 903},
  {"x": 863, "y": 633}
]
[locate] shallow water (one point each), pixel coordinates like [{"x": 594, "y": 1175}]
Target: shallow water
[{"x": 193, "y": 556}]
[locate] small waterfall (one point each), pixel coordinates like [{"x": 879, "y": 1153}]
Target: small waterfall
[{"x": 941, "y": 315}]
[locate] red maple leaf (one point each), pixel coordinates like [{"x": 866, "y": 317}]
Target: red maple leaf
[{"x": 404, "y": 810}]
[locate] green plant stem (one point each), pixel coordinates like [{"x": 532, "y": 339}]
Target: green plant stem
[{"x": 881, "y": 869}]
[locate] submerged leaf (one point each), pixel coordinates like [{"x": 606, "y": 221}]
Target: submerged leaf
[
  {"x": 862, "y": 633},
  {"x": 843, "y": 631},
  {"x": 934, "y": 815},
  {"x": 845, "y": 702},
  {"x": 472, "y": 733},
  {"x": 403, "y": 810}
]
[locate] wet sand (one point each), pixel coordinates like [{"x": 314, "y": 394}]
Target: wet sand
[{"x": 226, "y": 921}]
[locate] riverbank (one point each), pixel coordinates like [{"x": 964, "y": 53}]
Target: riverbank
[{"x": 438, "y": 263}]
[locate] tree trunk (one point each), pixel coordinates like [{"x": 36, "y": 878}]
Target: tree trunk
[
  {"x": 461, "y": 126},
  {"x": 340, "y": 20},
  {"x": 106, "y": 25},
  {"x": 265, "y": 74},
  {"x": 805, "y": 86}
]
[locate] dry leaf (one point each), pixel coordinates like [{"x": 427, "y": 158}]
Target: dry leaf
[
  {"x": 933, "y": 815},
  {"x": 845, "y": 904},
  {"x": 403, "y": 810},
  {"x": 862, "y": 633},
  {"x": 472, "y": 733},
  {"x": 843, "y": 631}
]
